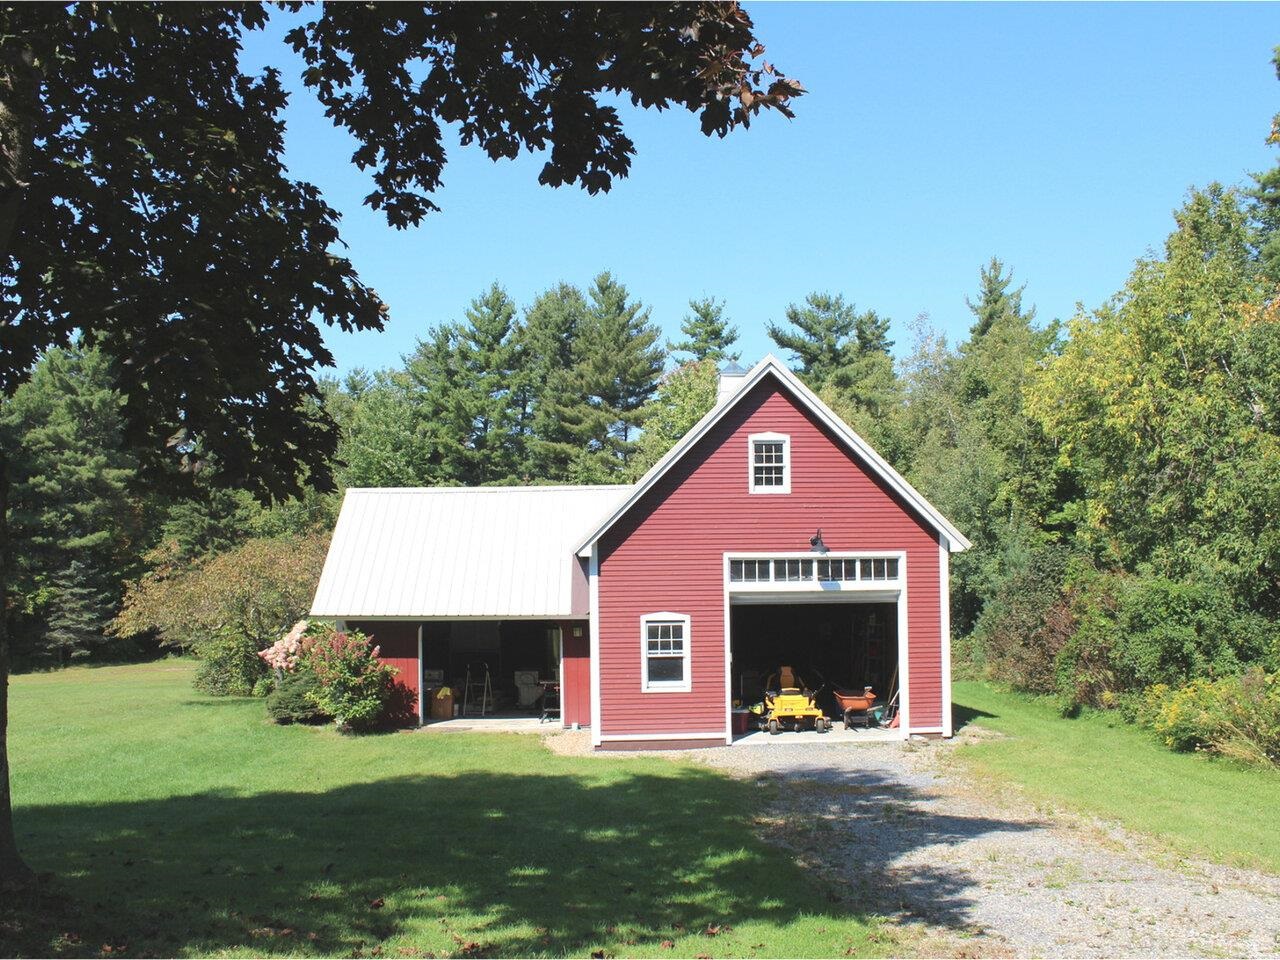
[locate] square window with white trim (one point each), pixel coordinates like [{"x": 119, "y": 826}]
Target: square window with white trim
[
  {"x": 664, "y": 639},
  {"x": 770, "y": 463}
]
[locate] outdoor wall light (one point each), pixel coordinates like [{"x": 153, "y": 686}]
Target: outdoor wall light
[{"x": 816, "y": 544}]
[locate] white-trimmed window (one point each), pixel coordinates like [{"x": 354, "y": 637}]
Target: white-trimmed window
[
  {"x": 769, "y": 463},
  {"x": 664, "y": 652}
]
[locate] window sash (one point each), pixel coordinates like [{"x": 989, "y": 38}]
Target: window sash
[
  {"x": 666, "y": 654},
  {"x": 770, "y": 469}
]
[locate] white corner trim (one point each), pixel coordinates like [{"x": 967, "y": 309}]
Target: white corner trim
[
  {"x": 728, "y": 657},
  {"x": 944, "y": 614},
  {"x": 593, "y": 574},
  {"x": 904, "y": 657}
]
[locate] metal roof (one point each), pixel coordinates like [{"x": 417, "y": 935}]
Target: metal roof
[
  {"x": 458, "y": 551},
  {"x": 956, "y": 541}
]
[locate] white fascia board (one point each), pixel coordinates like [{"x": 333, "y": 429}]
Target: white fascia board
[{"x": 770, "y": 364}]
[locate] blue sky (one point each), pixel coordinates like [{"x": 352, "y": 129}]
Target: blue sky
[{"x": 1059, "y": 137}]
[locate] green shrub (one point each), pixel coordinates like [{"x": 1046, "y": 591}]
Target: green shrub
[
  {"x": 291, "y": 701},
  {"x": 229, "y": 665},
  {"x": 1237, "y": 716},
  {"x": 1184, "y": 718},
  {"x": 1250, "y": 726},
  {"x": 1024, "y": 625},
  {"x": 1134, "y": 632},
  {"x": 263, "y": 687},
  {"x": 354, "y": 686}
]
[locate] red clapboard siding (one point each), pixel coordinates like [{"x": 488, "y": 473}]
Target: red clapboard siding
[
  {"x": 398, "y": 643},
  {"x": 666, "y": 555}
]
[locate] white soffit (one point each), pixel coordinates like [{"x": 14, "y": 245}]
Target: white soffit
[{"x": 458, "y": 551}]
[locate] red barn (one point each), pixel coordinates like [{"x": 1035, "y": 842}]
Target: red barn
[{"x": 770, "y": 536}]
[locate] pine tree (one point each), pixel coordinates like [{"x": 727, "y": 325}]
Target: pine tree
[
  {"x": 80, "y": 604},
  {"x": 589, "y": 411},
  {"x": 463, "y": 377},
  {"x": 708, "y": 335},
  {"x": 820, "y": 342},
  {"x": 544, "y": 349},
  {"x": 1265, "y": 197},
  {"x": 995, "y": 300},
  {"x": 70, "y": 503}
]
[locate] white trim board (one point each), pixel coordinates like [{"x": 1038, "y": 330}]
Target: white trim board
[
  {"x": 593, "y": 580},
  {"x": 635, "y": 737},
  {"x": 944, "y": 615},
  {"x": 771, "y": 365}
]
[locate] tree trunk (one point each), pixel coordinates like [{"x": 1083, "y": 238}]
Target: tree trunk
[{"x": 13, "y": 870}]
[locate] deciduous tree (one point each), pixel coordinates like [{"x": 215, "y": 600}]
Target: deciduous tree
[{"x": 144, "y": 201}]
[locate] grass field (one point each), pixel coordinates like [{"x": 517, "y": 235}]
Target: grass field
[
  {"x": 1098, "y": 764},
  {"x": 176, "y": 824}
]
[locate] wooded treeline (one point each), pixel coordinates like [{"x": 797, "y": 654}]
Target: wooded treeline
[{"x": 1117, "y": 473}]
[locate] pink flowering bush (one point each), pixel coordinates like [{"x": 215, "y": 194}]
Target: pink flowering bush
[
  {"x": 354, "y": 685},
  {"x": 285, "y": 654}
]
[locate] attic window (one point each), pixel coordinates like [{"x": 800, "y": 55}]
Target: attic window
[{"x": 770, "y": 463}]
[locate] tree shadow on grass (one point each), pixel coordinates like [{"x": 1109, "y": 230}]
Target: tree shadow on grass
[{"x": 478, "y": 863}]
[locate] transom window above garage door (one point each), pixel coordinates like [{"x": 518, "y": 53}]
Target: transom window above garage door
[{"x": 814, "y": 570}]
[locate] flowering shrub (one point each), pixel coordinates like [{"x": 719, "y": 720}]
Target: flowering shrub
[
  {"x": 354, "y": 686},
  {"x": 1184, "y": 718},
  {"x": 284, "y": 655},
  {"x": 1250, "y": 727},
  {"x": 1237, "y": 716}
]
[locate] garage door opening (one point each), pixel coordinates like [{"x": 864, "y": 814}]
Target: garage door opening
[{"x": 847, "y": 645}]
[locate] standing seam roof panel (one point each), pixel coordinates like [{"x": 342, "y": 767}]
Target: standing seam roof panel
[{"x": 458, "y": 552}]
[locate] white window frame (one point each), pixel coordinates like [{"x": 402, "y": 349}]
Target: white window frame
[
  {"x": 785, "y": 440},
  {"x": 666, "y": 686}
]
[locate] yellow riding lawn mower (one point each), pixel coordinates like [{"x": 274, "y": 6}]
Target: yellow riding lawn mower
[{"x": 794, "y": 709}]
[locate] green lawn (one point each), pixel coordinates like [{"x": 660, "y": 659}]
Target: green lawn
[
  {"x": 176, "y": 824},
  {"x": 1098, "y": 764}
]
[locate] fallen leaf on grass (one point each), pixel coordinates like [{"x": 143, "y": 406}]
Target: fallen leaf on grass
[
  {"x": 715, "y": 929},
  {"x": 377, "y": 904},
  {"x": 668, "y": 944},
  {"x": 271, "y": 932}
]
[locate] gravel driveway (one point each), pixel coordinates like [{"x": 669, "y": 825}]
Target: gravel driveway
[{"x": 994, "y": 876}]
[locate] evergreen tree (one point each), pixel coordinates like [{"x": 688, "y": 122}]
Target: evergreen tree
[
  {"x": 544, "y": 348},
  {"x": 1265, "y": 198},
  {"x": 820, "y": 341},
  {"x": 708, "y": 335},
  {"x": 69, "y": 503},
  {"x": 462, "y": 379},
  {"x": 995, "y": 300},
  {"x": 79, "y": 608},
  {"x": 586, "y": 419}
]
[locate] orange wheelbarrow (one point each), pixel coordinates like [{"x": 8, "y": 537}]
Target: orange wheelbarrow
[{"x": 854, "y": 706}]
